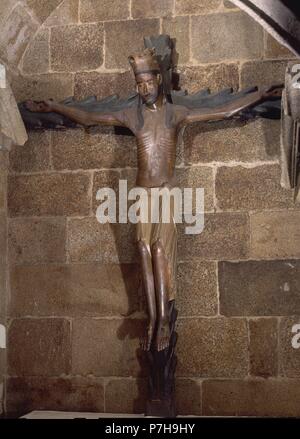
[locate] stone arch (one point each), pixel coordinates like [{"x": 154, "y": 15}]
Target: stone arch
[
  {"x": 20, "y": 22},
  {"x": 24, "y": 29}
]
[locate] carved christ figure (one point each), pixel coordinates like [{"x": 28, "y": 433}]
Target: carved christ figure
[{"x": 156, "y": 122}]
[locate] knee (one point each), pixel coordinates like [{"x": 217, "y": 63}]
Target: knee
[
  {"x": 157, "y": 248},
  {"x": 142, "y": 247}
]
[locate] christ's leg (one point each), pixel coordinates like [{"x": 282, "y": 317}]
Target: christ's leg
[
  {"x": 160, "y": 268},
  {"x": 148, "y": 283}
]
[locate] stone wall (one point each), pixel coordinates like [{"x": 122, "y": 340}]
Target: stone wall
[
  {"x": 75, "y": 308},
  {"x": 12, "y": 131},
  {"x": 3, "y": 270}
]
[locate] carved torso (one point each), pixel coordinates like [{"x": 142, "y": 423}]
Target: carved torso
[{"x": 156, "y": 143}]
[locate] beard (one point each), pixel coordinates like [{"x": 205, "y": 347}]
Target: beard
[{"x": 151, "y": 99}]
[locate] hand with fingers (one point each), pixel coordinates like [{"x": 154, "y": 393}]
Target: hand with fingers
[
  {"x": 273, "y": 92},
  {"x": 39, "y": 106}
]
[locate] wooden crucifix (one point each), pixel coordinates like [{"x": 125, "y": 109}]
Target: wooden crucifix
[{"x": 155, "y": 114}]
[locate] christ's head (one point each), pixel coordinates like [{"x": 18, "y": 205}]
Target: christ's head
[
  {"x": 149, "y": 87},
  {"x": 147, "y": 75}
]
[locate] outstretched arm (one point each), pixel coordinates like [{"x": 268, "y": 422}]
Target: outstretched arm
[
  {"x": 230, "y": 109},
  {"x": 79, "y": 116}
]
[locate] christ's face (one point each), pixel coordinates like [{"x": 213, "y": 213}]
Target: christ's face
[{"x": 148, "y": 87}]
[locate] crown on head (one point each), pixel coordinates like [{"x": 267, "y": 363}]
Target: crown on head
[{"x": 145, "y": 62}]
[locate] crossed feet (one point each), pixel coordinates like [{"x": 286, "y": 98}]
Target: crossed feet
[{"x": 162, "y": 336}]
